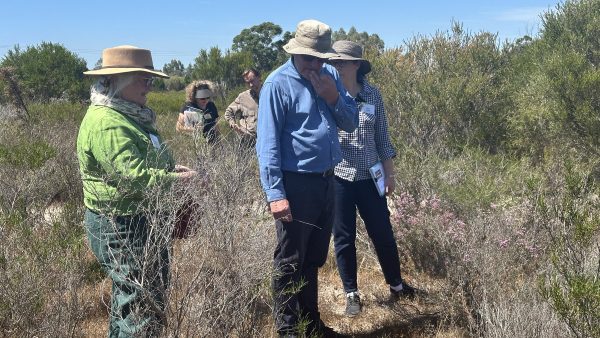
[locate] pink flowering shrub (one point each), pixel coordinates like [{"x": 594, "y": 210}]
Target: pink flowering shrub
[{"x": 483, "y": 254}]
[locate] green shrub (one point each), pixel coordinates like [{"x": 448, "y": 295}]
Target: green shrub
[
  {"x": 58, "y": 112},
  {"x": 30, "y": 154},
  {"x": 445, "y": 91},
  {"x": 48, "y": 71},
  {"x": 175, "y": 83},
  {"x": 166, "y": 103},
  {"x": 572, "y": 285},
  {"x": 558, "y": 76}
]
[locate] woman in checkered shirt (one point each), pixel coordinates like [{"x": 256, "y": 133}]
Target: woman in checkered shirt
[{"x": 354, "y": 187}]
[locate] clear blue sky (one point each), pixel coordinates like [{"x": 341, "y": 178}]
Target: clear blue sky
[{"x": 179, "y": 29}]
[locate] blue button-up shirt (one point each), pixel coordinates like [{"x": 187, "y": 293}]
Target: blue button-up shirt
[{"x": 297, "y": 130}]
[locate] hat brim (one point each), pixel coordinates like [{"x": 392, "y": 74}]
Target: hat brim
[
  {"x": 202, "y": 93},
  {"x": 112, "y": 71},
  {"x": 292, "y": 47},
  {"x": 365, "y": 65}
]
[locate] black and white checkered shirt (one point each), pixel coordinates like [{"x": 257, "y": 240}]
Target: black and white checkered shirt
[{"x": 370, "y": 141}]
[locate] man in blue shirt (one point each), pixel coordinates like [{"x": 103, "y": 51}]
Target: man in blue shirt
[{"x": 302, "y": 104}]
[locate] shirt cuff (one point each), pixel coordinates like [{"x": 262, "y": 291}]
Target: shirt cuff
[{"x": 274, "y": 195}]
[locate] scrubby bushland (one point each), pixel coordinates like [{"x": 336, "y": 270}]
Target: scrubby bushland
[
  {"x": 222, "y": 274},
  {"x": 485, "y": 135},
  {"x": 475, "y": 230},
  {"x": 167, "y": 104},
  {"x": 43, "y": 261},
  {"x": 174, "y": 83},
  {"x": 219, "y": 276},
  {"x": 496, "y": 211}
]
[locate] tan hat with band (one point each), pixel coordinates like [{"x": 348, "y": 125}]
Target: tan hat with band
[
  {"x": 312, "y": 37},
  {"x": 126, "y": 59}
]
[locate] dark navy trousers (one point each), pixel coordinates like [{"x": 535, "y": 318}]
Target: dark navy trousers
[
  {"x": 362, "y": 195},
  {"x": 302, "y": 247}
]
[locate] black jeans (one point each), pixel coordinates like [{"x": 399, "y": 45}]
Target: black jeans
[
  {"x": 302, "y": 247},
  {"x": 373, "y": 210}
]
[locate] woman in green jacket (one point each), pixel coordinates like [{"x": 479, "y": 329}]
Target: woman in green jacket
[{"x": 121, "y": 158}]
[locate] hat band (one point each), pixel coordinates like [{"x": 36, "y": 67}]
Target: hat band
[
  {"x": 319, "y": 44},
  {"x": 129, "y": 66}
]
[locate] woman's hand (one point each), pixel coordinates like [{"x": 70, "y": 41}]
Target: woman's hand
[
  {"x": 186, "y": 176},
  {"x": 390, "y": 185},
  {"x": 389, "y": 181},
  {"x": 181, "y": 168}
]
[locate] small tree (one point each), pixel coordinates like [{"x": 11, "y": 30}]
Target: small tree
[
  {"x": 48, "y": 71},
  {"x": 372, "y": 43},
  {"x": 174, "y": 68},
  {"x": 224, "y": 70},
  {"x": 260, "y": 42}
]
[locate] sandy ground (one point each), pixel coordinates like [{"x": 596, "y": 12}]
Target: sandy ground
[{"x": 405, "y": 318}]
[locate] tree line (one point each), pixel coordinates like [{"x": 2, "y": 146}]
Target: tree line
[{"x": 50, "y": 71}]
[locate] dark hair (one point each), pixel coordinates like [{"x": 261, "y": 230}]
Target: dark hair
[
  {"x": 360, "y": 74},
  {"x": 202, "y": 86},
  {"x": 249, "y": 70}
]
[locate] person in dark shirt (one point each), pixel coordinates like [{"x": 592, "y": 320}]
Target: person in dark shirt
[
  {"x": 198, "y": 111},
  {"x": 354, "y": 189}
]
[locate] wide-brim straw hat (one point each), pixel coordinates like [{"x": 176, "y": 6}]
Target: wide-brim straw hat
[
  {"x": 350, "y": 50},
  {"x": 126, "y": 59},
  {"x": 312, "y": 37}
]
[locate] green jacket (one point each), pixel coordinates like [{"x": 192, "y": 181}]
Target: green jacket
[{"x": 118, "y": 162}]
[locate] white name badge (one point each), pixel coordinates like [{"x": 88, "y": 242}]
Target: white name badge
[
  {"x": 155, "y": 141},
  {"x": 367, "y": 108}
]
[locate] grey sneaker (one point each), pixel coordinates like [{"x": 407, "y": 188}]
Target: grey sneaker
[{"x": 353, "y": 304}]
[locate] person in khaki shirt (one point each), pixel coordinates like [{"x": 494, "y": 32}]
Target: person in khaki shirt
[{"x": 242, "y": 113}]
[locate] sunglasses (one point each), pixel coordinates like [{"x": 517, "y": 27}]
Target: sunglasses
[
  {"x": 310, "y": 58},
  {"x": 203, "y": 98},
  {"x": 336, "y": 63}
]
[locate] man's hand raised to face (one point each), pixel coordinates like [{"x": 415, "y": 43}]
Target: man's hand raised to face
[{"x": 324, "y": 86}]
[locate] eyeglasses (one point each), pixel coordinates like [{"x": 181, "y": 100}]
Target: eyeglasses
[
  {"x": 310, "y": 58},
  {"x": 203, "y": 98},
  {"x": 147, "y": 81}
]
